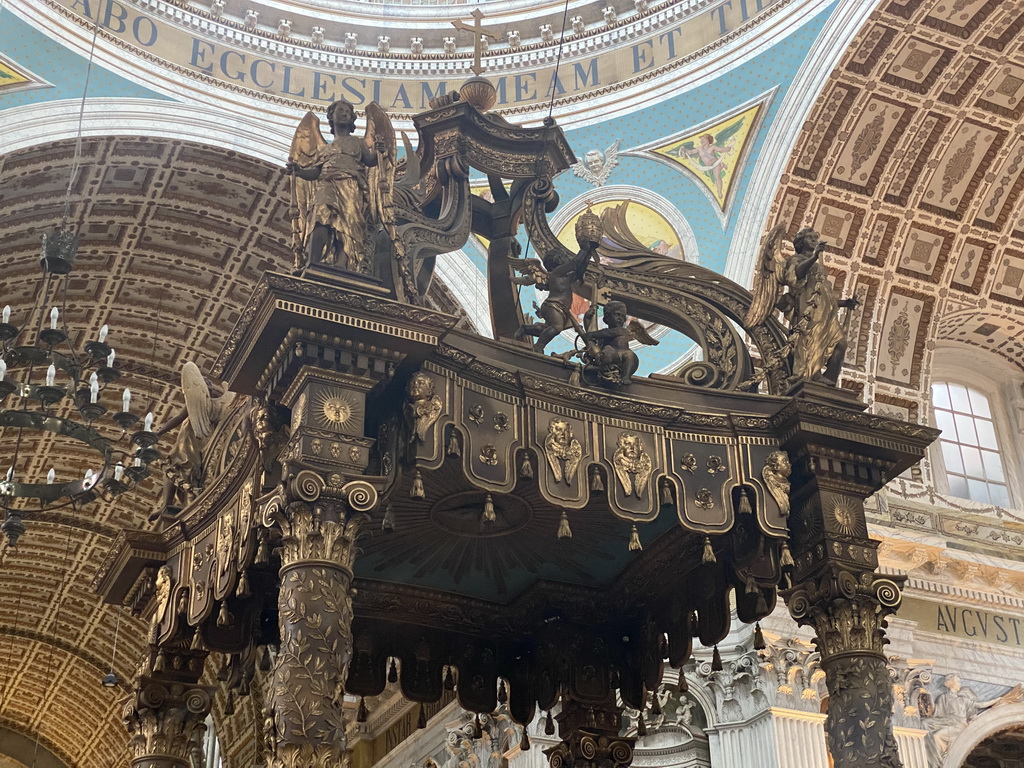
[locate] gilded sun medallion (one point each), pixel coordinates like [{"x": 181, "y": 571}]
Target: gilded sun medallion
[{"x": 334, "y": 409}]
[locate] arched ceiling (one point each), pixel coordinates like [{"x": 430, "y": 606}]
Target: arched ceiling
[{"x": 911, "y": 165}]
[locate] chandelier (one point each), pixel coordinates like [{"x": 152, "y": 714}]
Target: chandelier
[{"x": 48, "y": 387}]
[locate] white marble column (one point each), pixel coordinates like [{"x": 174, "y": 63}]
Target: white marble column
[
  {"x": 912, "y": 747},
  {"x": 743, "y": 744},
  {"x": 801, "y": 738}
]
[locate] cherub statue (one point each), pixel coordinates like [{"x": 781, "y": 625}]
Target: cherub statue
[
  {"x": 776, "y": 476},
  {"x": 422, "y": 407},
  {"x": 271, "y": 428},
  {"x": 816, "y": 339},
  {"x": 557, "y": 276},
  {"x": 185, "y": 466},
  {"x": 608, "y": 348},
  {"x": 336, "y": 207}
]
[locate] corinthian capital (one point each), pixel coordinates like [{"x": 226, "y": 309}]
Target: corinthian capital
[
  {"x": 165, "y": 720},
  {"x": 847, "y": 612}
]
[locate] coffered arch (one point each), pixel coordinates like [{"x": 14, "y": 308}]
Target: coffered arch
[{"x": 911, "y": 165}]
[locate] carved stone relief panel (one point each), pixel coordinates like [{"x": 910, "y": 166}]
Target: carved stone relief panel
[
  {"x": 960, "y": 168},
  {"x": 971, "y": 267},
  {"x": 925, "y": 252},
  {"x": 1009, "y": 281},
  {"x": 706, "y": 469},
  {"x": 635, "y": 460}
]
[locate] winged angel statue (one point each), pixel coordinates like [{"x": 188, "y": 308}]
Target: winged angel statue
[
  {"x": 199, "y": 418},
  {"x": 342, "y": 190},
  {"x": 799, "y": 287}
]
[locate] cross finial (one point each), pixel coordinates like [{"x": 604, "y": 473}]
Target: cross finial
[{"x": 479, "y": 31}]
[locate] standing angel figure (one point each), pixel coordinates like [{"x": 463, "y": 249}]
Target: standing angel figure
[
  {"x": 817, "y": 340},
  {"x": 341, "y": 190}
]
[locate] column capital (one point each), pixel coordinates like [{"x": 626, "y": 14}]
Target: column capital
[{"x": 165, "y": 719}]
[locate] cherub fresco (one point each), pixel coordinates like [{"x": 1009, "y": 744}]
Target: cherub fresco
[{"x": 710, "y": 152}]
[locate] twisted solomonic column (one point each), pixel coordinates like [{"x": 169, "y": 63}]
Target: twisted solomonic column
[
  {"x": 848, "y": 615},
  {"x": 304, "y": 708}
]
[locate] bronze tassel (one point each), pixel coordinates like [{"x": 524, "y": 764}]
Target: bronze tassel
[
  {"x": 242, "y": 590},
  {"x": 526, "y": 468},
  {"x": 564, "y": 531},
  {"x": 709, "y": 551},
  {"x": 786, "y": 557},
  {"x": 634, "y": 540},
  {"x": 744, "y": 505},
  {"x": 759, "y": 644},
  {"x": 489, "y": 516},
  {"x": 417, "y": 491}
]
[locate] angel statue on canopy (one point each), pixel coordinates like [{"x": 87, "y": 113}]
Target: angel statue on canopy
[
  {"x": 342, "y": 189},
  {"x": 817, "y": 340},
  {"x": 186, "y": 462}
]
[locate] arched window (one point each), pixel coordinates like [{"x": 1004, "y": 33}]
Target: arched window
[{"x": 970, "y": 449}]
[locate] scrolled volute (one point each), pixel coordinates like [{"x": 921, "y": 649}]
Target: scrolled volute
[
  {"x": 361, "y": 496},
  {"x": 307, "y": 485}
]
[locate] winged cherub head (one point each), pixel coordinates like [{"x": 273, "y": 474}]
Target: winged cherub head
[
  {"x": 421, "y": 387},
  {"x": 778, "y": 462},
  {"x": 630, "y": 446},
  {"x": 594, "y": 160},
  {"x": 560, "y": 432},
  {"x": 341, "y": 115}
]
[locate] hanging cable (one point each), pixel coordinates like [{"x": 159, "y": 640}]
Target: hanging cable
[
  {"x": 56, "y": 628},
  {"x": 76, "y": 163}
]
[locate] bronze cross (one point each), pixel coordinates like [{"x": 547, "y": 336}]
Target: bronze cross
[{"x": 479, "y": 31}]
